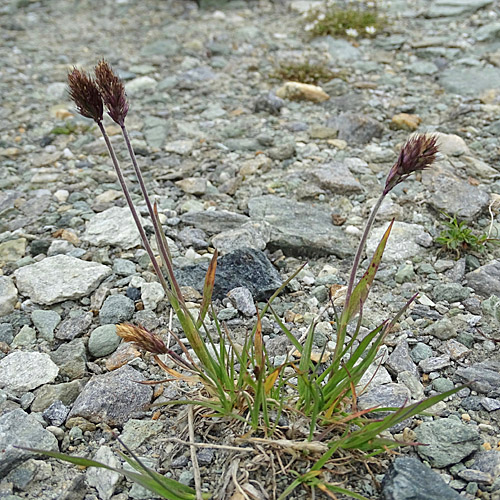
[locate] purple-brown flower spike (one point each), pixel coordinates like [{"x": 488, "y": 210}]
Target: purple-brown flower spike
[
  {"x": 112, "y": 91},
  {"x": 85, "y": 94},
  {"x": 418, "y": 153},
  {"x": 142, "y": 338}
]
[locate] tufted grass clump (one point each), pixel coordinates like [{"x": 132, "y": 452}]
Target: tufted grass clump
[
  {"x": 345, "y": 22},
  {"x": 237, "y": 384},
  {"x": 305, "y": 72}
]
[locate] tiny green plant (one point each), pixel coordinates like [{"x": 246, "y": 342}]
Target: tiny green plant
[
  {"x": 349, "y": 21},
  {"x": 239, "y": 382},
  {"x": 458, "y": 237}
]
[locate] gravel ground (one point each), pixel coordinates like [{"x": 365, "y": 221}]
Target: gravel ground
[{"x": 271, "y": 183}]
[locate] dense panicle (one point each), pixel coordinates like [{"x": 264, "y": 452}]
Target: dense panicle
[
  {"x": 142, "y": 338},
  {"x": 112, "y": 91},
  {"x": 85, "y": 94},
  {"x": 418, "y": 153}
]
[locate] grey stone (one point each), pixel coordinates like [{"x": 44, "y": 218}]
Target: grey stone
[
  {"x": 242, "y": 299},
  {"x": 193, "y": 237},
  {"x": 243, "y": 267},
  {"x": 401, "y": 245},
  {"x": 483, "y": 377},
  {"x": 104, "y": 480},
  {"x": 463, "y": 81},
  {"x": 490, "y": 404},
  {"x": 116, "y": 309},
  {"x": 472, "y": 475},
  {"x": 24, "y": 371},
  {"x": 299, "y": 228},
  {"x": 409, "y": 479},
  {"x": 8, "y": 295},
  {"x": 164, "y": 48},
  {"x": 71, "y": 358},
  {"x": 47, "y": 394},
  {"x": 59, "y": 278},
  {"x": 387, "y": 395},
  {"x": 103, "y": 341},
  {"x": 451, "y": 292},
  {"x": 249, "y": 235},
  {"x": 452, "y": 8},
  {"x": 113, "y": 397},
  {"x": 135, "y": 432},
  {"x": 339, "y": 49},
  {"x": 193, "y": 185},
  {"x": 448, "y": 441},
  {"x": 488, "y": 462},
  {"x": 433, "y": 364},
  {"x": 73, "y": 327},
  {"x": 337, "y": 178},
  {"x": 423, "y": 68},
  {"x": 56, "y": 413},
  {"x": 183, "y": 147},
  {"x": 400, "y": 360},
  {"x": 45, "y": 322},
  {"x": 17, "y": 428},
  {"x": 376, "y": 374},
  {"x": 405, "y": 272},
  {"x": 412, "y": 381},
  {"x": 123, "y": 267},
  {"x": 6, "y": 333},
  {"x": 485, "y": 280},
  {"x": 442, "y": 329},
  {"x": 25, "y": 337},
  {"x": 441, "y": 384},
  {"x": 355, "y": 128},
  {"x": 269, "y": 103},
  {"x": 214, "y": 221},
  {"x": 114, "y": 227},
  {"x": 489, "y": 31}
]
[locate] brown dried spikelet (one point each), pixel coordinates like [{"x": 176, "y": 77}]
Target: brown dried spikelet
[
  {"x": 418, "y": 153},
  {"x": 85, "y": 94},
  {"x": 142, "y": 338},
  {"x": 112, "y": 91}
]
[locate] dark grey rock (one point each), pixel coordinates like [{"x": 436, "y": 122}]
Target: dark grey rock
[
  {"x": 116, "y": 309},
  {"x": 56, "y": 413},
  {"x": 447, "y": 441},
  {"x": 6, "y": 333},
  {"x": 483, "y": 377},
  {"x": 214, "y": 221},
  {"x": 434, "y": 363},
  {"x": 71, "y": 358},
  {"x": 193, "y": 237},
  {"x": 485, "y": 280},
  {"x": 269, "y": 103},
  {"x": 113, "y": 397},
  {"x": 410, "y": 479},
  {"x": 300, "y": 229},
  {"x": 243, "y": 267},
  {"x": 73, "y": 327},
  {"x": 205, "y": 456},
  {"x": 400, "y": 360},
  {"x": 487, "y": 462},
  {"x": 17, "y": 428},
  {"x": 356, "y": 128}
]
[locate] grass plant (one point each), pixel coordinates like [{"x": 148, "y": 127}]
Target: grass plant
[
  {"x": 238, "y": 383},
  {"x": 305, "y": 72}
]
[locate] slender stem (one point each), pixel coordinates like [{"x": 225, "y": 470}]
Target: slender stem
[
  {"x": 162, "y": 247},
  {"x": 126, "y": 192},
  {"x": 361, "y": 247}
]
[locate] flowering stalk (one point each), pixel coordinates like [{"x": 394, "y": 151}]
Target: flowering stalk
[{"x": 418, "y": 153}]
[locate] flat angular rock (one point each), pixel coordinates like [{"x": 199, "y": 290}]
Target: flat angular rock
[
  {"x": 485, "y": 280},
  {"x": 410, "y": 479},
  {"x": 250, "y": 235},
  {"x": 24, "y": 371},
  {"x": 452, "y": 8},
  {"x": 483, "y": 377},
  {"x": 113, "y": 397},
  {"x": 387, "y": 395},
  {"x": 115, "y": 227},
  {"x": 59, "y": 278},
  {"x": 453, "y": 195},
  {"x": 214, "y": 221},
  {"x": 402, "y": 243},
  {"x": 244, "y": 267},
  {"x": 300, "y": 229},
  {"x": 104, "y": 480},
  {"x": 337, "y": 178},
  {"x": 356, "y": 128},
  {"x": 448, "y": 441},
  {"x": 8, "y": 295},
  {"x": 461, "y": 80},
  {"x": 17, "y": 428}
]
